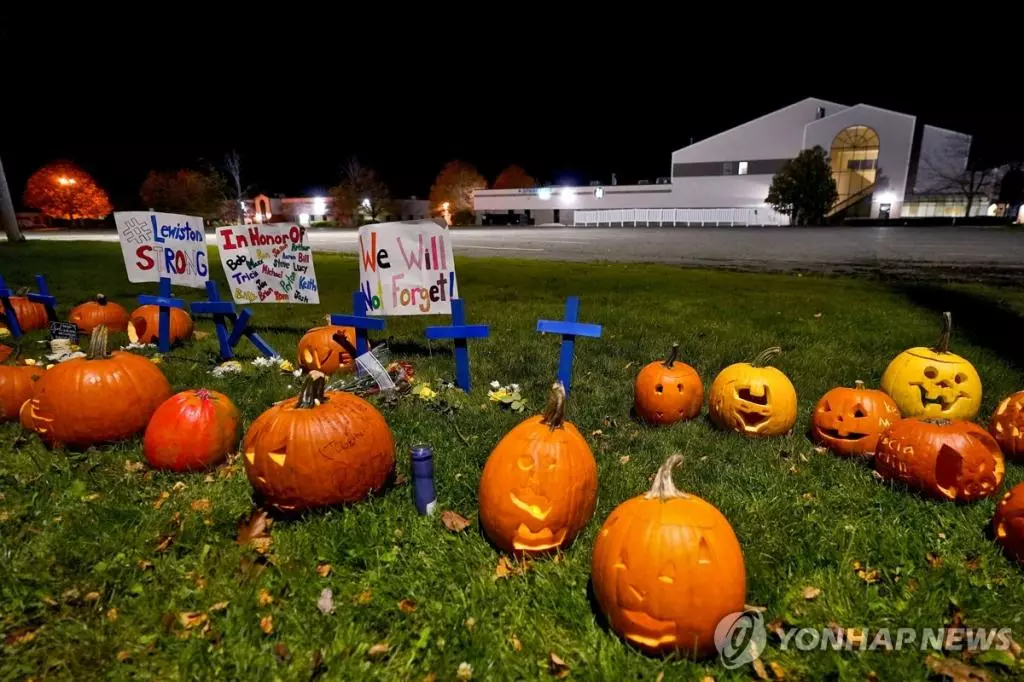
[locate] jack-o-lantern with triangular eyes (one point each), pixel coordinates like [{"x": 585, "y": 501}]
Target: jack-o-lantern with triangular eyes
[
  {"x": 1007, "y": 425},
  {"x": 539, "y": 485},
  {"x": 1008, "y": 523},
  {"x": 667, "y": 392},
  {"x": 753, "y": 398},
  {"x": 848, "y": 421},
  {"x": 327, "y": 349},
  {"x": 932, "y": 382},
  {"x": 666, "y": 568}
]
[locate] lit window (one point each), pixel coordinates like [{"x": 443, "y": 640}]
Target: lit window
[
  {"x": 544, "y": 193},
  {"x": 599, "y": 192},
  {"x": 743, "y": 168},
  {"x": 304, "y": 219}
]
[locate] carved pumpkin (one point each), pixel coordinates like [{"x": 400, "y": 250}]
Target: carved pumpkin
[
  {"x": 328, "y": 349},
  {"x": 666, "y": 392},
  {"x": 31, "y": 315},
  {"x": 96, "y": 399},
  {"x": 539, "y": 485},
  {"x": 318, "y": 449},
  {"x": 932, "y": 382},
  {"x": 753, "y": 398},
  {"x": 666, "y": 568},
  {"x": 1008, "y": 523},
  {"x": 144, "y": 325},
  {"x": 946, "y": 459},
  {"x": 1007, "y": 425},
  {"x": 91, "y": 314},
  {"x": 191, "y": 430},
  {"x": 848, "y": 421},
  {"x": 16, "y": 385}
]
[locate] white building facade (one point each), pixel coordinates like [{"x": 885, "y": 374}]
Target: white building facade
[{"x": 886, "y": 165}]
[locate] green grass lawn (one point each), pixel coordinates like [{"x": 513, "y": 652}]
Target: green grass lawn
[{"x": 91, "y": 588}]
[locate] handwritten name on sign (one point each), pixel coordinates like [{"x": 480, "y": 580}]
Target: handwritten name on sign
[
  {"x": 156, "y": 245},
  {"x": 407, "y": 269},
  {"x": 270, "y": 263}
]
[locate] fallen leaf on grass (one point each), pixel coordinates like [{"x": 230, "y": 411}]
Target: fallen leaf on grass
[
  {"x": 465, "y": 672},
  {"x": 934, "y": 560},
  {"x": 454, "y": 522},
  {"x": 868, "y": 575},
  {"x": 558, "y": 668},
  {"x": 598, "y": 433},
  {"x": 759, "y": 669},
  {"x": 199, "y": 336},
  {"x": 973, "y": 562},
  {"x": 92, "y": 596},
  {"x": 91, "y": 497},
  {"x": 407, "y": 605},
  {"x": 219, "y": 606},
  {"x": 144, "y": 564},
  {"x": 113, "y": 614},
  {"x": 70, "y": 596},
  {"x": 505, "y": 568},
  {"x": 429, "y": 677},
  {"x": 470, "y": 623},
  {"x": 326, "y": 601},
  {"x": 758, "y": 609},
  {"x": 628, "y": 365},
  {"x": 810, "y": 593},
  {"x": 778, "y": 672},
  {"x": 777, "y": 628},
  {"x": 624, "y": 459},
  {"x": 264, "y": 598},
  {"x": 161, "y": 499},
  {"x": 192, "y": 619},
  {"x": 364, "y": 597},
  {"x": 123, "y": 656},
  {"x": 254, "y": 531},
  {"x": 514, "y": 641},
  {"x": 209, "y": 478},
  {"x": 164, "y": 541},
  {"x": 21, "y": 636},
  {"x": 817, "y": 315},
  {"x": 401, "y": 479},
  {"x": 955, "y": 670},
  {"x": 201, "y": 505},
  {"x": 324, "y": 570},
  {"x": 267, "y": 624},
  {"x": 378, "y": 649},
  {"x": 133, "y": 467},
  {"x": 180, "y": 485},
  {"x": 281, "y": 651}
]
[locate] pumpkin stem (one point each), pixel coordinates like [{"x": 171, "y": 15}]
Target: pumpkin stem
[
  {"x": 766, "y": 356},
  {"x": 664, "y": 488},
  {"x": 101, "y": 299},
  {"x": 947, "y": 329},
  {"x": 672, "y": 356},
  {"x": 554, "y": 412},
  {"x": 859, "y": 385},
  {"x": 98, "y": 343},
  {"x": 313, "y": 390}
]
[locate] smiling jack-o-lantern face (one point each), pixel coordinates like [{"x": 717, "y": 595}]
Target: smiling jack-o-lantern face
[
  {"x": 1008, "y": 523},
  {"x": 753, "y": 399},
  {"x": 1007, "y": 425},
  {"x": 667, "y": 567},
  {"x": 539, "y": 485},
  {"x": 932, "y": 382},
  {"x": 327, "y": 349},
  {"x": 848, "y": 421},
  {"x": 667, "y": 392}
]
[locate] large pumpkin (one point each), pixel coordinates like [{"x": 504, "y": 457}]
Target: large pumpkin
[
  {"x": 144, "y": 325},
  {"x": 753, "y": 398},
  {"x": 91, "y": 314},
  {"x": 318, "y": 449},
  {"x": 1008, "y": 523},
  {"x": 31, "y": 315},
  {"x": 539, "y": 485},
  {"x": 328, "y": 349},
  {"x": 16, "y": 385},
  {"x": 932, "y": 382},
  {"x": 96, "y": 399},
  {"x": 191, "y": 430},
  {"x": 947, "y": 459},
  {"x": 1007, "y": 425},
  {"x": 666, "y": 392},
  {"x": 848, "y": 421},
  {"x": 667, "y": 567}
]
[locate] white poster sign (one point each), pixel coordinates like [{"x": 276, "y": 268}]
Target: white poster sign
[
  {"x": 270, "y": 263},
  {"x": 156, "y": 245},
  {"x": 407, "y": 268}
]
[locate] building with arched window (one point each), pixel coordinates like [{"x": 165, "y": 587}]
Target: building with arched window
[{"x": 885, "y": 163}]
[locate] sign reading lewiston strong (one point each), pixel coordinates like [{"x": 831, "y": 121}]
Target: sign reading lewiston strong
[
  {"x": 407, "y": 268},
  {"x": 270, "y": 263},
  {"x": 156, "y": 245}
]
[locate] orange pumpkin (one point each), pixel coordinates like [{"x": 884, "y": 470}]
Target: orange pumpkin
[
  {"x": 666, "y": 568},
  {"x": 144, "y": 325},
  {"x": 1008, "y": 523},
  {"x": 1007, "y": 425},
  {"x": 318, "y": 449},
  {"x": 848, "y": 421},
  {"x": 328, "y": 349},
  {"x": 191, "y": 430},
  {"x": 539, "y": 485},
  {"x": 16, "y": 384},
  {"x": 96, "y": 399},
  {"x": 31, "y": 315},
  {"x": 753, "y": 399},
  {"x": 944, "y": 458},
  {"x": 667, "y": 392},
  {"x": 91, "y": 314}
]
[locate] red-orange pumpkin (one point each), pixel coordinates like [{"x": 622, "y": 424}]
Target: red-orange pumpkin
[
  {"x": 539, "y": 485},
  {"x": 667, "y": 392},
  {"x": 16, "y": 384},
  {"x": 318, "y": 449},
  {"x": 97, "y": 399},
  {"x": 1008, "y": 523},
  {"x": 31, "y": 315},
  {"x": 1007, "y": 425},
  {"x": 191, "y": 430},
  {"x": 144, "y": 325},
  {"x": 848, "y": 421},
  {"x": 327, "y": 349},
  {"x": 91, "y": 314}
]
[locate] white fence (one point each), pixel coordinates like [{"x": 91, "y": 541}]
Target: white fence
[{"x": 680, "y": 216}]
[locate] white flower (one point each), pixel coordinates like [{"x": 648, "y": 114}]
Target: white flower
[
  {"x": 465, "y": 671},
  {"x": 495, "y": 385},
  {"x": 229, "y": 367},
  {"x": 297, "y": 373},
  {"x": 138, "y": 346},
  {"x": 515, "y": 387}
]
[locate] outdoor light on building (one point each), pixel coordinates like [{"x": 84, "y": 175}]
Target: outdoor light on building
[
  {"x": 304, "y": 219},
  {"x": 599, "y": 193},
  {"x": 886, "y": 198},
  {"x": 544, "y": 193},
  {"x": 568, "y": 195},
  {"x": 366, "y": 204},
  {"x": 319, "y": 206}
]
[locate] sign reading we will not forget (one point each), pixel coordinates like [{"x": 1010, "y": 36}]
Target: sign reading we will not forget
[
  {"x": 156, "y": 245},
  {"x": 270, "y": 263},
  {"x": 407, "y": 268}
]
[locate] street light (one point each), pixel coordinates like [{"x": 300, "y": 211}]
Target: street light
[
  {"x": 65, "y": 181},
  {"x": 366, "y": 204}
]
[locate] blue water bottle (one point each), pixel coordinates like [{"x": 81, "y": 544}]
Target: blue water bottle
[{"x": 422, "y": 457}]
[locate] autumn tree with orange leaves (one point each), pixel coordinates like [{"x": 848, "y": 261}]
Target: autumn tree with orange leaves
[
  {"x": 452, "y": 191},
  {"x": 63, "y": 190},
  {"x": 514, "y": 177}
]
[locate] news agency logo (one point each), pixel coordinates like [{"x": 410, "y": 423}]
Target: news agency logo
[{"x": 740, "y": 638}]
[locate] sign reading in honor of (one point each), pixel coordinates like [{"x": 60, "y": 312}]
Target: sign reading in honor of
[
  {"x": 268, "y": 263},
  {"x": 156, "y": 245},
  {"x": 407, "y": 268}
]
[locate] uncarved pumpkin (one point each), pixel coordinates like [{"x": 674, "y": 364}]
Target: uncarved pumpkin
[
  {"x": 31, "y": 315},
  {"x": 1007, "y": 425},
  {"x": 848, "y": 421},
  {"x": 753, "y": 398},
  {"x": 666, "y": 568},
  {"x": 539, "y": 485},
  {"x": 932, "y": 382},
  {"x": 943, "y": 458},
  {"x": 191, "y": 430},
  {"x": 328, "y": 349},
  {"x": 16, "y": 385},
  {"x": 91, "y": 314},
  {"x": 318, "y": 449},
  {"x": 667, "y": 391},
  {"x": 144, "y": 325},
  {"x": 96, "y": 399},
  {"x": 1008, "y": 523}
]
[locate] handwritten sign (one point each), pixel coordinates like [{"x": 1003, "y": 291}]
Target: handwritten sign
[
  {"x": 270, "y": 263},
  {"x": 64, "y": 330},
  {"x": 156, "y": 245},
  {"x": 407, "y": 268}
]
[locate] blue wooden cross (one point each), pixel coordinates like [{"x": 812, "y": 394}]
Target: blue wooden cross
[
  {"x": 360, "y": 321},
  {"x": 224, "y": 312},
  {"x": 165, "y": 301},
  {"x": 460, "y": 331},
  {"x": 7, "y": 310},
  {"x": 44, "y": 297},
  {"x": 569, "y": 328}
]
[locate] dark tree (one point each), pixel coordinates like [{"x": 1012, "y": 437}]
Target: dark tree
[
  {"x": 190, "y": 192},
  {"x": 804, "y": 188},
  {"x": 1011, "y": 190},
  {"x": 361, "y": 196}
]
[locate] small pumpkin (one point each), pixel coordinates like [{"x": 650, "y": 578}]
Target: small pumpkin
[
  {"x": 16, "y": 385},
  {"x": 666, "y": 568},
  {"x": 318, "y": 449},
  {"x": 96, "y": 399},
  {"x": 539, "y": 485},
  {"x": 667, "y": 392},
  {"x": 91, "y": 314},
  {"x": 144, "y": 325},
  {"x": 848, "y": 421},
  {"x": 191, "y": 430},
  {"x": 932, "y": 382},
  {"x": 31, "y": 315},
  {"x": 328, "y": 349},
  {"x": 753, "y": 398},
  {"x": 1007, "y": 425},
  {"x": 944, "y": 458},
  {"x": 1008, "y": 523}
]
